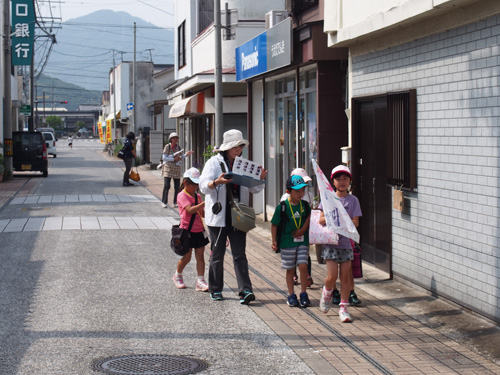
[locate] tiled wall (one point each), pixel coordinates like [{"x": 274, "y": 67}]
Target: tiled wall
[{"x": 447, "y": 240}]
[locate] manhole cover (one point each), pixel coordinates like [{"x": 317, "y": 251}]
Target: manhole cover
[{"x": 149, "y": 364}]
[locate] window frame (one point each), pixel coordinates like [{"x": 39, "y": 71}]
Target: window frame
[
  {"x": 402, "y": 139},
  {"x": 181, "y": 45}
]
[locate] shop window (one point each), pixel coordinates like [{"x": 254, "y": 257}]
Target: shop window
[
  {"x": 402, "y": 139},
  {"x": 181, "y": 43}
]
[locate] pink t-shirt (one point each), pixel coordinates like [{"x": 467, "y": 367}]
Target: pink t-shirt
[{"x": 184, "y": 200}]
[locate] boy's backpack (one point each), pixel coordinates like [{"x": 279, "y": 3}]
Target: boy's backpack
[{"x": 284, "y": 218}]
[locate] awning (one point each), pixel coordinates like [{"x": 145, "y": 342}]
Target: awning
[
  {"x": 111, "y": 116},
  {"x": 189, "y": 106}
]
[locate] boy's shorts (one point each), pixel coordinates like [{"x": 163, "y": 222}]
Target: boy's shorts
[
  {"x": 292, "y": 256},
  {"x": 337, "y": 255}
]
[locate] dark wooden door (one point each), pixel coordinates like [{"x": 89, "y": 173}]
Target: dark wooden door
[{"x": 372, "y": 190}]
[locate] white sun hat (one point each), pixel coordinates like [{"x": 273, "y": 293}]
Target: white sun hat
[{"x": 232, "y": 138}]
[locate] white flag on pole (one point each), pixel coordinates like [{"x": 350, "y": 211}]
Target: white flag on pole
[{"x": 337, "y": 219}]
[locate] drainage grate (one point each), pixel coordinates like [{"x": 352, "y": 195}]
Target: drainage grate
[{"x": 149, "y": 364}]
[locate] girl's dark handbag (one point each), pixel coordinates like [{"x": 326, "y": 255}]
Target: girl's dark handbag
[
  {"x": 180, "y": 240},
  {"x": 180, "y": 237}
]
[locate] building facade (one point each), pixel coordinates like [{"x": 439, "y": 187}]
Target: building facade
[
  {"x": 192, "y": 95},
  {"x": 424, "y": 95},
  {"x": 297, "y": 104}
]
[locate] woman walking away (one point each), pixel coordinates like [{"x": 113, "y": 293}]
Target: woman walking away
[
  {"x": 218, "y": 217},
  {"x": 171, "y": 169},
  {"x": 128, "y": 156}
]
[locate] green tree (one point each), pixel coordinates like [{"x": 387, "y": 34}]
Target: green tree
[{"x": 54, "y": 122}]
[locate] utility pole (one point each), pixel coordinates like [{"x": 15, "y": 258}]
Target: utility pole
[
  {"x": 7, "y": 104},
  {"x": 31, "y": 119},
  {"x": 134, "y": 88},
  {"x": 219, "y": 120},
  {"x": 114, "y": 99}
]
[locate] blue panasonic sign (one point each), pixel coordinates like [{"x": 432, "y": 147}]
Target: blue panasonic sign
[{"x": 267, "y": 51}]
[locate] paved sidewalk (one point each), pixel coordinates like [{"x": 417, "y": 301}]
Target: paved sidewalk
[{"x": 396, "y": 330}]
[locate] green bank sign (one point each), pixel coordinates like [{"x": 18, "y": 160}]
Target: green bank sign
[{"x": 23, "y": 31}]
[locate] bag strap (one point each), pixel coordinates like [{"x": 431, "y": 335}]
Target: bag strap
[
  {"x": 193, "y": 216},
  {"x": 228, "y": 188},
  {"x": 283, "y": 219}
]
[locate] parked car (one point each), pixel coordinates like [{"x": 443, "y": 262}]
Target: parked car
[
  {"x": 29, "y": 152},
  {"x": 50, "y": 140}
]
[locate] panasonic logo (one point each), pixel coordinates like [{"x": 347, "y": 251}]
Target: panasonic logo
[{"x": 250, "y": 61}]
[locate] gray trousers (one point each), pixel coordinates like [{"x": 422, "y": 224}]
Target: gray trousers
[{"x": 238, "y": 240}]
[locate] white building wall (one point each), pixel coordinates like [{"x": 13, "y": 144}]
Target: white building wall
[
  {"x": 258, "y": 139},
  {"x": 184, "y": 10},
  {"x": 347, "y": 20},
  {"x": 447, "y": 239}
]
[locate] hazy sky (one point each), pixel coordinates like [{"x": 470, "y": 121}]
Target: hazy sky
[{"x": 158, "y": 12}]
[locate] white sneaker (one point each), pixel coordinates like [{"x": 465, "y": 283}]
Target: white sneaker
[
  {"x": 201, "y": 286},
  {"x": 179, "y": 282},
  {"x": 344, "y": 316},
  {"x": 164, "y": 205},
  {"x": 325, "y": 301}
]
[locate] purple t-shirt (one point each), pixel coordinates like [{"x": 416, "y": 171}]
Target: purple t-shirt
[{"x": 353, "y": 209}]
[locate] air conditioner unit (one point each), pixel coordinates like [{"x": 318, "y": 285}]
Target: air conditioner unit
[{"x": 274, "y": 17}]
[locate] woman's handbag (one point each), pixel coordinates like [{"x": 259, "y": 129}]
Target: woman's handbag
[
  {"x": 357, "y": 266},
  {"x": 134, "y": 175},
  {"x": 180, "y": 237},
  {"x": 121, "y": 154},
  {"x": 242, "y": 216},
  {"x": 320, "y": 234}
]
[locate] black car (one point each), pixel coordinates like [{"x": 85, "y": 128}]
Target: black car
[{"x": 30, "y": 152}]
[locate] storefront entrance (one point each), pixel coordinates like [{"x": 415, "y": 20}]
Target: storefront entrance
[{"x": 291, "y": 119}]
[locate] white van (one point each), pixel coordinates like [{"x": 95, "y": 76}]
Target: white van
[{"x": 50, "y": 142}]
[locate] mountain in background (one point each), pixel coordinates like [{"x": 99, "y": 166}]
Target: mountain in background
[
  {"x": 83, "y": 54},
  {"x": 55, "y": 90}
]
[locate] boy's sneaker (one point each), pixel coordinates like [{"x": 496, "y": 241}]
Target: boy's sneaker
[
  {"x": 304, "y": 300},
  {"x": 246, "y": 297},
  {"x": 201, "y": 286},
  {"x": 292, "y": 300},
  {"x": 353, "y": 299},
  {"x": 216, "y": 296},
  {"x": 325, "y": 301},
  {"x": 336, "y": 297},
  {"x": 164, "y": 205},
  {"x": 179, "y": 282},
  {"x": 344, "y": 316}
]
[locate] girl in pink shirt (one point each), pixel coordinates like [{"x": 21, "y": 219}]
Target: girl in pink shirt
[{"x": 190, "y": 203}]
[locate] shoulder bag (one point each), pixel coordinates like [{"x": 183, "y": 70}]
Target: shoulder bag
[
  {"x": 242, "y": 216},
  {"x": 180, "y": 237}
]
